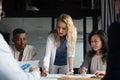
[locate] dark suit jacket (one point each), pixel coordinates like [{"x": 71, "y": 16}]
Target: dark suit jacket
[{"x": 113, "y": 62}]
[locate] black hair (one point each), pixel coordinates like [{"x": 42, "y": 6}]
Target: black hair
[
  {"x": 18, "y": 31},
  {"x": 103, "y": 37}
]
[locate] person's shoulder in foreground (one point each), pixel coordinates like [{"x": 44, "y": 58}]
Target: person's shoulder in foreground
[
  {"x": 113, "y": 66},
  {"x": 10, "y": 69}
]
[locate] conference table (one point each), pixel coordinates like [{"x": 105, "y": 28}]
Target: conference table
[{"x": 69, "y": 77}]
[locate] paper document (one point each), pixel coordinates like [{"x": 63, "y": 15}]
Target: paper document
[
  {"x": 51, "y": 77},
  {"x": 80, "y": 76},
  {"x": 25, "y": 65},
  {"x": 55, "y": 75},
  {"x": 70, "y": 76}
]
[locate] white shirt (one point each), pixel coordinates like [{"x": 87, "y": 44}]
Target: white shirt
[
  {"x": 50, "y": 53},
  {"x": 97, "y": 64},
  {"x": 9, "y": 68},
  {"x": 29, "y": 53}
]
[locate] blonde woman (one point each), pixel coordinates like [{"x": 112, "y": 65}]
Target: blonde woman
[{"x": 60, "y": 47}]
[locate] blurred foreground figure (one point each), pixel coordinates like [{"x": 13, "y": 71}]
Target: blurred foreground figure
[
  {"x": 113, "y": 64},
  {"x": 9, "y": 68}
]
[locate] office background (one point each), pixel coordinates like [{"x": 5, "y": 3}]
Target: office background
[
  {"x": 37, "y": 30},
  {"x": 88, "y": 15}
]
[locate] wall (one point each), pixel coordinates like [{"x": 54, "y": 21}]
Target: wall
[{"x": 37, "y": 30}]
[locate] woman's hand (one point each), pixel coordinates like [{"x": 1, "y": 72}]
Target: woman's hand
[
  {"x": 100, "y": 74},
  {"x": 83, "y": 70},
  {"x": 45, "y": 72}
]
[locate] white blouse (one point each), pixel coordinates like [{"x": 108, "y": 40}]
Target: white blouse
[{"x": 97, "y": 64}]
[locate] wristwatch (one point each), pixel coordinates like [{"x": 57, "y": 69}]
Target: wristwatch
[{"x": 71, "y": 70}]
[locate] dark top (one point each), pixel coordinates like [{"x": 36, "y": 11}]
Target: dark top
[
  {"x": 61, "y": 53},
  {"x": 113, "y": 62}
]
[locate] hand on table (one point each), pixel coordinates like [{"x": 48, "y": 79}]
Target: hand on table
[
  {"x": 69, "y": 73},
  {"x": 83, "y": 70},
  {"x": 45, "y": 72},
  {"x": 100, "y": 74}
]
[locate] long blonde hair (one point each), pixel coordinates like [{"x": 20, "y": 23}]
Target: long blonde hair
[{"x": 71, "y": 34}]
